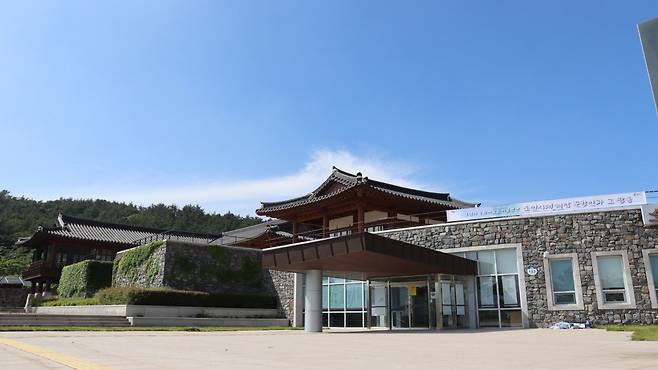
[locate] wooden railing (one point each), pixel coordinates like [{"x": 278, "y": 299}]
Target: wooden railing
[{"x": 39, "y": 269}]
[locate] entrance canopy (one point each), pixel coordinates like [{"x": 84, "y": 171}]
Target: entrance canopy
[{"x": 365, "y": 256}]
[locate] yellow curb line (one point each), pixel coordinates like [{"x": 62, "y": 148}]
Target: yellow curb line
[{"x": 66, "y": 360}]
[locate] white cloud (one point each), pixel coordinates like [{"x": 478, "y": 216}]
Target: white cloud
[{"x": 244, "y": 196}]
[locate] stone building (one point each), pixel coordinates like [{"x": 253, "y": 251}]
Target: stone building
[{"x": 453, "y": 264}]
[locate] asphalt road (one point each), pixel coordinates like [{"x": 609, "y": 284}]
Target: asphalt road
[{"x": 509, "y": 349}]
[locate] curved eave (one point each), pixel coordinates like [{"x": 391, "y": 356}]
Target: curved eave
[
  {"x": 445, "y": 203},
  {"x": 43, "y": 237},
  {"x": 450, "y": 204}
]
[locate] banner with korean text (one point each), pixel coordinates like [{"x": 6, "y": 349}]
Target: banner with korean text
[{"x": 546, "y": 207}]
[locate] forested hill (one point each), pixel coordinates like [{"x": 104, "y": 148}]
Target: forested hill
[{"x": 21, "y": 216}]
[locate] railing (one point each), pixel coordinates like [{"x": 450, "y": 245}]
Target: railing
[
  {"x": 40, "y": 269},
  {"x": 389, "y": 223}
]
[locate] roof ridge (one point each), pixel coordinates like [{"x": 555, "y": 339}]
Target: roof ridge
[
  {"x": 89, "y": 222},
  {"x": 429, "y": 194}
]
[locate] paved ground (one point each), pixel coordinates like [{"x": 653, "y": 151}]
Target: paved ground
[{"x": 512, "y": 349}]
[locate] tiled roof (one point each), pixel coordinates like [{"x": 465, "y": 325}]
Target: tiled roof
[
  {"x": 13, "y": 281},
  {"x": 281, "y": 228},
  {"x": 247, "y": 233},
  {"x": 351, "y": 181},
  {"x": 82, "y": 229}
]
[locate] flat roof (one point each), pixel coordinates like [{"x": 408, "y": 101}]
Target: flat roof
[{"x": 365, "y": 256}]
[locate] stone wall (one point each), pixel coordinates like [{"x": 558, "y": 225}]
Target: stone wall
[
  {"x": 284, "y": 284},
  {"x": 205, "y": 268},
  {"x": 13, "y": 297},
  {"x": 575, "y": 233}
]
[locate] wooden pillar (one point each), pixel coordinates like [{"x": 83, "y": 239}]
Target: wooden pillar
[
  {"x": 360, "y": 219},
  {"x": 325, "y": 225},
  {"x": 295, "y": 231},
  {"x": 40, "y": 287},
  {"x": 391, "y": 222}
]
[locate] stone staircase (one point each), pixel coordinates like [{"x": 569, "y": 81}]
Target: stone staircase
[{"x": 24, "y": 319}]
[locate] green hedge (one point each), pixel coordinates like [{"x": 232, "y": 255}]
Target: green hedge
[
  {"x": 84, "y": 278},
  {"x": 167, "y": 297},
  {"x": 54, "y": 301}
]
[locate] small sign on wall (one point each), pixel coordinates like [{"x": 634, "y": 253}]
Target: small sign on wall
[
  {"x": 532, "y": 271},
  {"x": 650, "y": 215}
]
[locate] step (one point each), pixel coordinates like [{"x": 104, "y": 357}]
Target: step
[
  {"x": 198, "y": 322},
  {"x": 88, "y": 324},
  {"x": 61, "y": 320}
]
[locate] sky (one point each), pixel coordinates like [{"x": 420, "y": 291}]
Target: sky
[{"x": 226, "y": 104}]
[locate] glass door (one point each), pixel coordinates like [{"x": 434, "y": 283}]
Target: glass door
[
  {"x": 453, "y": 304},
  {"x": 399, "y": 306},
  {"x": 409, "y": 305},
  {"x": 379, "y": 304},
  {"x": 419, "y": 305}
]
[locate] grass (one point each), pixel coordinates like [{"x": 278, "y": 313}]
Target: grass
[
  {"x": 145, "y": 328},
  {"x": 640, "y": 332}
]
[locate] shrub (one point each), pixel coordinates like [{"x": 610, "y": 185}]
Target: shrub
[
  {"x": 53, "y": 301},
  {"x": 168, "y": 297},
  {"x": 84, "y": 278}
]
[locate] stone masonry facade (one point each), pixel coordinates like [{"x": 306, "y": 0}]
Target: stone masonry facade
[
  {"x": 194, "y": 267},
  {"x": 13, "y": 297},
  {"x": 572, "y": 233},
  {"x": 284, "y": 283}
]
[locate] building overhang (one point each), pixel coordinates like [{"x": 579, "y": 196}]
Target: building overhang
[{"x": 365, "y": 256}]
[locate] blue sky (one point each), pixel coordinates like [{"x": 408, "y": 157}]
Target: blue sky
[{"x": 227, "y": 103}]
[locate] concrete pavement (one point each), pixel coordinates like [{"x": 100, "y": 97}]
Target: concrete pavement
[{"x": 473, "y": 349}]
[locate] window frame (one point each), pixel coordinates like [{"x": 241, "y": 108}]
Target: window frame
[
  {"x": 578, "y": 288},
  {"x": 626, "y": 275},
  {"x": 521, "y": 288},
  {"x": 646, "y": 255}
]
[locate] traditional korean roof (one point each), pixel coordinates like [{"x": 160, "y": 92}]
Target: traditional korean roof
[
  {"x": 341, "y": 181},
  {"x": 274, "y": 227},
  {"x": 73, "y": 228},
  {"x": 245, "y": 234}
]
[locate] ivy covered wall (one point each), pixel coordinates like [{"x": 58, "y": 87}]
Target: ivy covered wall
[{"x": 184, "y": 266}]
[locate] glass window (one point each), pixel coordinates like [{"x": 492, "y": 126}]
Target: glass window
[
  {"x": 337, "y": 297},
  {"x": 509, "y": 292},
  {"x": 506, "y": 261},
  {"x": 486, "y": 291},
  {"x": 342, "y": 295},
  {"x": 459, "y": 292},
  {"x": 488, "y": 318},
  {"x": 564, "y": 291},
  {"x": 378, "y": 295},
  {"x": 487, "y": 263},
  {"x": 354, "y": 320},
  {"x": 445, "y": 293},
  {"x": 653, "y": 278},
  {"x": 654, "y": 269},
  {"x": 611, "y": 278},
  {"x": 510, "y": 318},
  {"x": 354, "y": 298},
  {"x": 325, "y": 297},
  {"x": 337, "y": 319}
]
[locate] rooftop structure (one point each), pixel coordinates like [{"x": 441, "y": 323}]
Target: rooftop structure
[{"x": 345, "y": 203}]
